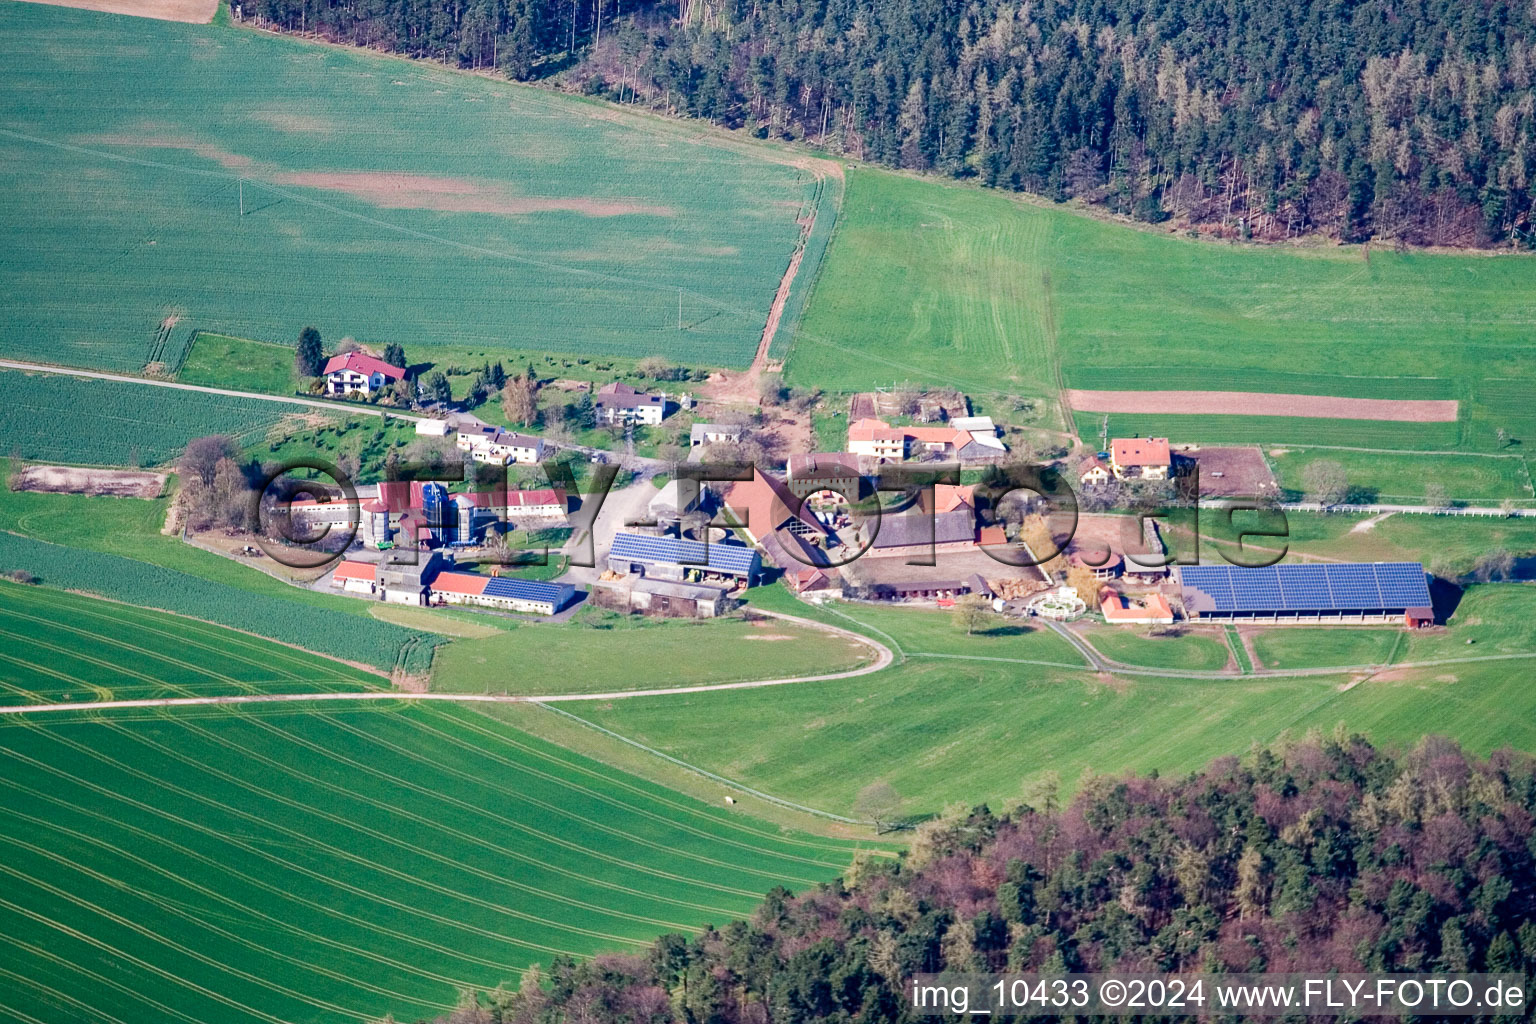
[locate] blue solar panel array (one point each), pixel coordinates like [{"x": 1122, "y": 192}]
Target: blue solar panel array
[
  {"x": 724, "y": 558},
  {"x": 528, "y": 590},
  {"x": 1365, "y": 586}
]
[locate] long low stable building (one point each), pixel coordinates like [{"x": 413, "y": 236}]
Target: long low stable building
[
  {"x": 506, "y": 593},
  {"x": 1312, "y": 593},
  {"x": 675, "y": 558}
]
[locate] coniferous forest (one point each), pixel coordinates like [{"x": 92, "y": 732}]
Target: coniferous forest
[
  {"x": 1412, "y": 122},
  {"x": 1326, "y": 855}
]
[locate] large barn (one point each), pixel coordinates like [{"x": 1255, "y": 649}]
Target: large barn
[{"x": 1353, "y": 592}]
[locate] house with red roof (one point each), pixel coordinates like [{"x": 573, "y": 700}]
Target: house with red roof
[
  {"x": 1140, "y": 458},
  {"x": 1118, "y": 611},
  {"x": 358, "y": 373}
]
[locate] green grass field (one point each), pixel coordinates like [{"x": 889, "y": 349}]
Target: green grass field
[
  {"x": 1449, "y": 543},
  {"x": 948, "y": 284},
  {"x": 383, "y": 200},
  {"x": 219, "y": 361},
  {"x": 55, "y": 418},
  {"x": 1301, "y": 647},
  {"x": 548, "y": 659},
  {"x": 1194, "y": 651},
  {"x": 923, "y": 725},
  {"x": 1405, "y": 479}
]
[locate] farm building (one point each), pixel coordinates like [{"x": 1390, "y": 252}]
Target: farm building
[
  {"x": 877, "y": 439},
  {"x": 821, "y": 474},
  {"x": 1093, "y": 470},
  {"x": 358, "y": 373},
  {"x": 931, "y": 589},
  {"x": 661, "y": 598},
  {"x": 1118, "y": 611},
  {"x": 1312, "y": 593},
  {"x": 403, "y": 583},
  {"x": 1140, "y": 458},
  {"x": 943, "y": 519},
  {"x": 486, "y": 443},
  {"x": 676, "y": 498},
  {"x": 777, "y": 521},
  {"x": 506, "y": 593},
  {"x": 713, "y": 433},
  {"x": 677, "y": 558},
  {"x": 356, "y": 577},
  {"x": 620, "y": 403},
  {"x": 433, "y": 428}
]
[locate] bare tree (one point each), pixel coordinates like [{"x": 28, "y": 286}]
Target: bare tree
[
  {"x": 1325, "y": 482},
  {"x": 878, "y": 802},
  {"x": 972, "y": 612},
  {"x": 520, "y": 400},
  {"x": 202, "y": 456},
  {"x": 1436, "y": 496},
  {"x": 1497, "y": 564}
]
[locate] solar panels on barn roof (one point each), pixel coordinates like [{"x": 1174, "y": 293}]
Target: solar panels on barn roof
[
  {"x": 515, "y": 589},
  {"x": 726, "y": 558},
  {"x": 1365, "y": 586}
]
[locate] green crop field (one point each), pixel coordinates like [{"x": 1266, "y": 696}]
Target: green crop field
[
  {"x": 548, "y": 658},
  {"x": 56, "y": 418},
  {"x": 61, "y": 646},
  {"x": 941, "y": 283},
  {"x": 383, "y": 200},
  {"x": 321, "y": 866}
]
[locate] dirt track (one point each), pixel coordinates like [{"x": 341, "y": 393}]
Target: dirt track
[
  {"x": 1254, "y": 403},
  {"x": 198, "y": 12}
]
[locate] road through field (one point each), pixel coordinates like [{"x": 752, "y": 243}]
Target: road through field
[{"x": 883, "y": 659}]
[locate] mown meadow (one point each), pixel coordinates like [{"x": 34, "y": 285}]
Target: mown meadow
[
  {"x": 991, "y": 717},
  {"x": 947, "y": 284},
  {"x": 383, "y": 200}
]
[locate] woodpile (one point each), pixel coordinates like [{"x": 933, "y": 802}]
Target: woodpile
[{"x": 1015, "y": 588}]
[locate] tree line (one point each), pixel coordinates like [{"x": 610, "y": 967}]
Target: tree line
[
  {"x": 1360, "y": 119},
  {"x": 1323, "y": 855}
]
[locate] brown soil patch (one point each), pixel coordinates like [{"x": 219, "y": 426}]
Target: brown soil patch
[
  {"x": 1236, "y": 472},
  {"x": 222, "y": 157},
  {"x": 1252, "y": 403},
  {"x": 116, "y": 483},
  {"x": 456, "y": 195},
  {"x": 198, "y": 12}
]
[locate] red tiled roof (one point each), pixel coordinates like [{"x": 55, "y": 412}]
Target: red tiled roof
[
  {"x": 766, "y": 504},
  {"x": 1115, "y": 606},
  {"x": 991, "y": 536},
  {"x": 948, "y": 497},
  {"x": 356, "y": 571},
  {"x": 873, "y": 430},
  {"x": 460, "y": 583},
  {"x": 938, "y": 435},
  {"x": 361, "y": 362},
  {"x": 1140, "y": 451}
]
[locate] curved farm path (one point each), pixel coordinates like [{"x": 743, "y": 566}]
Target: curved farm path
[{"x": 883, "y": 659}]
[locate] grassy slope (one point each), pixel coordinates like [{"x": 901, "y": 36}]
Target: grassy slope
[
  {"x": 166, "y": 118},
  {"x": 543, "y": 659},
  {"x": 1310, "y": 648},
  {"x": 923, "y": 724},
  {"x": 949, "y": 284}
]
